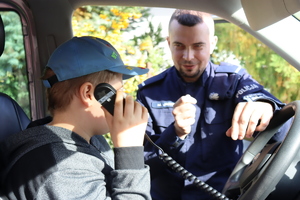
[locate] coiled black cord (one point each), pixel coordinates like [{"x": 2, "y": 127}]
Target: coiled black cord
[{"x": 187, "y": 175}]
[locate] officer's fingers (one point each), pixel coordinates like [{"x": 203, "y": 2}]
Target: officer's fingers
[
  {"x": 186, "y": 122},
  {"x": 186, "y": 130},
  {"x": 265, "y": 118},
  {"x": 260, "y": 118},
  {"x": 191, "y": 121},
  {"x": 239, "y": 121},
  {"x": 234, "y": 129},
  {"x": 264, "y": 122},
  {"x": 179, "y": 117},
  {"x": 229, "y": 132},
  {"x": 185, "y": 99},
  {"x": 253, "y": 121},
  {"x": 182, "y": 131},
  {"x": 183, "y": 126},
  {"x": 248, "y": 120},
  {"x": 178, "y": 102},
  {"x": 189, "y": 99},
  {"x": 187, "y": 109}
]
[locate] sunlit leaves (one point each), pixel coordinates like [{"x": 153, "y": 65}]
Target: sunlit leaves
[
  {"x": 111, "y": 23},
  {"x": 267, "y": 67},
  {"x": 13, "y": 72}
]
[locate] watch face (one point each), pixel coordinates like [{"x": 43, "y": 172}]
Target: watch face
[{"x": 106, "y": 95}]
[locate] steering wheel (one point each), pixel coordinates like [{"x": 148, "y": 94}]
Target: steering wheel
[{"x": 263, "y": 165}]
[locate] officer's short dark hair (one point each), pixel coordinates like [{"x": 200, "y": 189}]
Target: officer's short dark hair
[{"x": 187, "y": 17}]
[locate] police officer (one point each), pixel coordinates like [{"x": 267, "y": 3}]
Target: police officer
[{"x": 200, "y": 112}]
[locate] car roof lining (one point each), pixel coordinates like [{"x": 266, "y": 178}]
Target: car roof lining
[{"x": 271, "y": 11}]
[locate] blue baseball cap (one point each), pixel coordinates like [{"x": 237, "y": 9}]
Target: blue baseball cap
[{"x": 81, "y": 56}]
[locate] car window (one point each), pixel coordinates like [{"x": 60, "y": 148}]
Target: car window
[
  {"x": 13, "y": 72},
  {"x": 235, "y": 45},
  {"x": 297, "y": 15},
  {"x": 120, "y": 26}
]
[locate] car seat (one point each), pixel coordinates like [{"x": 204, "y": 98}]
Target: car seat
[
  {"x": 12, "y": 120},
  {"x": 12, "y": 117}
]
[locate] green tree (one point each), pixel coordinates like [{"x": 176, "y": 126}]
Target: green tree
[
  {"x": 149, "y": 45},
  {"x": 267, "y": 67},
  {"x": 112, "y": 23},
  {"x": 13, "y": 73}
]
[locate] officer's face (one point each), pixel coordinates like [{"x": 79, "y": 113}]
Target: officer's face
[{"x": 191, "y": 48}]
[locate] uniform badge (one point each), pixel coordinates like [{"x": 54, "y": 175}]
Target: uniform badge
[{"x": 214, "y": 96}]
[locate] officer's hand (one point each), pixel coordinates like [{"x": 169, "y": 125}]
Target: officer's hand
[
  {"x": 184, "y": 113},
  {"x": 246, "y": 119},
  {"x": 128, "y": 125}
]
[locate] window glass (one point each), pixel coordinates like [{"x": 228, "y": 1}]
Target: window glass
[
  {"x": 121, "y": 26},
  {"x": 13, "y": 73},
  {"x": 144, "y": 47},
  {"x": 297, "y": 15},
  {"x": 236, "y": 46}
]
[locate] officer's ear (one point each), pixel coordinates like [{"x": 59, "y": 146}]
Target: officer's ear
[
  {"x": 168, "y": 40},
  {"x": 213, "y": 43}
]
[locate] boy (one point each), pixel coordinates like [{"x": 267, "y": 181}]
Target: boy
[{"x": 69, "y": 158}]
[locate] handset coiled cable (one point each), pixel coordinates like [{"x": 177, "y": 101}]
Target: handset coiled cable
[{"x": 187, "y": 175}]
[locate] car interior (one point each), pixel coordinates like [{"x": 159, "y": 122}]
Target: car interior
[{"x": 263, "y": 172}]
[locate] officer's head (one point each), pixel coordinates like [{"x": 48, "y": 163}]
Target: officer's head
[{"x": 191, "y": 40}]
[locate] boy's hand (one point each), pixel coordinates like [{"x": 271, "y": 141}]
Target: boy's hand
[{"x": 128, "y": 125}]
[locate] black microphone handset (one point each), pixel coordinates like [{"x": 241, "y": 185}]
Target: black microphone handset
[{"x": 106, "y": 95}]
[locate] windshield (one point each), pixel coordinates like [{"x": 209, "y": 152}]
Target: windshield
[{"x": 297, "y": 15}]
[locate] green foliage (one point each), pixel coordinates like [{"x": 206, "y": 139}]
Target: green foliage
[
  {"x": 154, "y": 54},
  {"x": 102, "y": 21},
  {"x": 152, "y": 34},
  {"x": 117, "y": 24},
  {"x": 13, "y": 73},
  {"x": 267, "y": 67}
]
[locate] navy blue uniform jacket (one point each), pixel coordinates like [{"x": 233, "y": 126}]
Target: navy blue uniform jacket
[{"x": 206, "y": 152}]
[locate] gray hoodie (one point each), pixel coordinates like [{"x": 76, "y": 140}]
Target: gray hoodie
[{"x": 47, "y": 162}]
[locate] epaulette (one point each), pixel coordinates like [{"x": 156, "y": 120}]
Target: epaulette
[
  {"x": 224, "y": 83},
  {"x": 154, "y": 79},
  {"x": 229, "y": 68}
]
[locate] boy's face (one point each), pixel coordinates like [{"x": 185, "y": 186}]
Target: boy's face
[{"x": 101, "y": 126}]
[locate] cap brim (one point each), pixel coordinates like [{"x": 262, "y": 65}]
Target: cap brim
[{"x": 129, "y": 71}]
